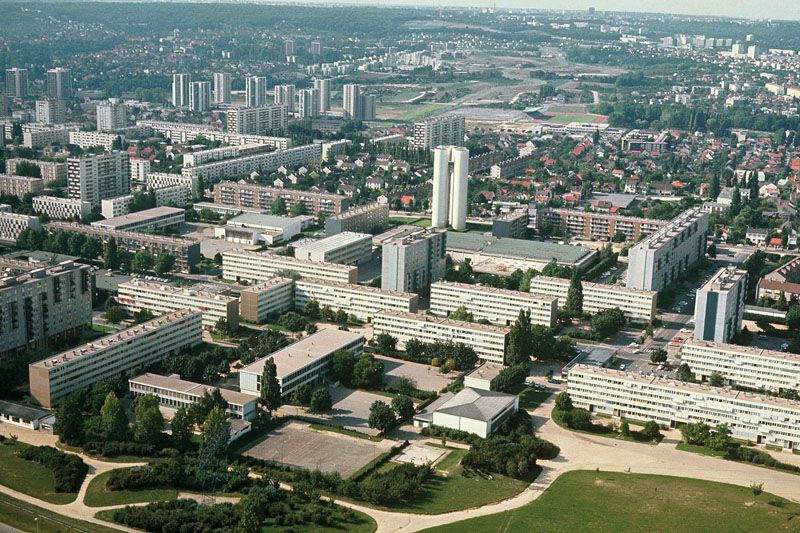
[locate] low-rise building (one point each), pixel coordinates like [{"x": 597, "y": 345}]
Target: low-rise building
[
  {"x": 260, "y": 197},
  {"x": 22, "y": 415},
  {"x": 347, "y": 248},
  {"x": 89, "y": 139},
  {"x": 370, "y": 218},
  {"x": 51, "y": 170},
  {"x": 176, "y": 195},
  {"x": 41, "y": 135},
  {"x": 359, "y": 300},
  {"x": 489, "y": 342},
  {"x": 56, "y": 377},
  {"x": 12, "y": 224},
  {"x": 174, "y": 392},
  {"x": 638, "y": 305},
  {"x": 499, "y": 306},
  {"x": 306, "y": 361},
  {"x": 259, "y": 228},
  {"x": 257, "y": 267},
  {"x": 646, "y": 141},
  {"x": 783, "y": 280},
  {"x": 753, "y": 417},
  {"x": 481, "y": 377},
  {"x": 162, "y": 298},
  {"x": 476, "y": 411},
  {"x": 19, "y": 186},
  {"x": 599, "y": 226},
  {"x": 271, "y": 298},
  {"x": 157, "y": 218},
  {"x": 61, "y": 208}
]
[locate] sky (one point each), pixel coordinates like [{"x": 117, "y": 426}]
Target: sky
[{"x": 764, "y": 9}]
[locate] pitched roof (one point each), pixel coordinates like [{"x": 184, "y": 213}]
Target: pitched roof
[{"x": 477, "y": 404}]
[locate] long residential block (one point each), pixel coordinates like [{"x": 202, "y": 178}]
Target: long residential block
[
  {"x": 362, "y": 301},
  {"x": 185, "y": 133},
  {"x": 153, "y": 219},
  {"x": 600, "y": 226},
  {"x": 271, "y": 298},
  {"x": 258, "y": 267},
  {"x": 347, "y": 248},
  {"x": 54, "y": 378},
  {"x": 261, "y": 163},
  {"x": 19, "y": 186},
  {"x": 499, "y": 306},
  {"x": 742, "y": 365},
  {"x": 260, "y": 197},
  {"x": 61, "y": 208},
  {"x": 161, "y": 298},
  {"x": 638, "y": 305},
  {"x": 50, "y": 170},
  {"x": 362, "y": 219},
  {"x": 489, "y": 342},
  {"x": 757, "y": 418}
]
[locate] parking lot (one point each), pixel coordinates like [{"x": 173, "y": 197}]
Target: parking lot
[
  {"x": 426, "y": 377},
  {"x": 297, "y": 444}
]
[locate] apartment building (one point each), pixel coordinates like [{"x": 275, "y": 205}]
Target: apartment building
[
  {"x": 598, "y": 226},
  {"x": 346, "y": 248},
  {"x": 498, "y": 306},
  {"x": 719, "y": 306},
  {"x": 646, "y": 141},
  {"x": 742, "y": 366},
  {"x": 271, "y": 298},
  {"x": 140, "y": 168},
  {"x": 489, "y": 342},
  {"x": 19, "y": 186},
  {"x": 323, "y": 86},
  {"x": 261, "y": 163},
  {"x": 61, "y": 208},
  {"x": 514, "y": 225},
  {"x": 111, "y": 115},
  {"x": 783, "y": 280},
  {"x": 59, "y": 83},
  {"x": 49, "y": 111},
  {"x": 257, "y": 120},
  {"x": 308, "y": 103},
  {"x": 368, "y": 218},
  {"x": 638, "y": 305},
  {"x": 511, "y": 168},
  {"x": 50, "y": 170},
  {"x": 44, "y": 304},
  {"x": 306, "y": 361},
  {"x": 192, "y": 159},
  {"x": 285, "y": 95},
  {"x": 173, "y": 392},
  {"x": 185, "y": 251},
  {"x": 357, "y": 104},
  {"x": 359, "y": 300},
  {"x": 162, "y": 298},
  {"x": 260, "y": 197},
  {"x": 88, "y": 139},
  {"x": 753, "y": 417},
  {"x": 163, "y": 180},
  {"x": 669, "y": 253},
  {"x": 413, "y": 259},
  {"x": 255, "y": 91},
  {"x": 222, "y": 88},
  {"x": 180, "y": 89},
  {"x": 12, "y": 224},
  {"x": 120, "y": 205},
  {"x": 17, "y": 82},
  {"x": 200, "y": 96},
  {"x": 184, "y": 133},
  {"x": 155, "y": 219},
  {"x": 445, "y": 130},
  {"x": 41, "y": 135},
  {"x": 93, "y": 177},
  {"x": 55, "y": 378},
  {"x": 258, "y": 267}
]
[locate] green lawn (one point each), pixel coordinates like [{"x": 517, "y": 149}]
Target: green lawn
[
  {"x": 29, "y": 477},
  {"x": 588, "y": 119},
  {"x": 531, "y": 397},
  {"x": 698, "y": 449},
  {"x": 613, "y": 502},
  {"x": 452, "y": 459},
  {"x": 102, "y": 329},
  {"x": 98, "y": 496},
  {"x": 26, "y": 517}
]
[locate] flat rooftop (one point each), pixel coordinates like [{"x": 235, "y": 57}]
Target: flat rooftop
[
  {"x": 749, "y": 350},
  {"x": 164, "y": 288},
  {"x": 487, "y": 371},
  {"x": 673, "y": 229},
  {"x": 360, "y": 288},
  {"x": 432, "y": 319},
  {"x": 334, "y": 242},
  {"x": 270, "y": 283},
  {"x": 520, "y": 248},
  {"x": 261, "y": 221},
  {"x": 305, "y": 351},
  {"x": 592, "y": 285},
  {"x": 486, "y": 289},
  {"x": 175, "y": 384},
  {"x": 288, "y": 259},
  {"x": 724, "y": 280},
  {"x": 140, "y": 216}
]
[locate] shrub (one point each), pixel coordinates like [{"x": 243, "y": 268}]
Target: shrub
[{"x": 68, "y": 469}]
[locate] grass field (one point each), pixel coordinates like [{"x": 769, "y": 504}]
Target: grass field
[
  {"x": 400, "y": 112},
  {"x": 451, "y": 460},
  {"x": 28, "y": 477},
  {"x": 26, "y": 517},
  {"x": 612, "y": 502},
  {"x": 531, "y": 398},
  {"x": 574, "y": 118},
  {"x": 702, "y": 450},
  {"x": 98, "y": 496}
]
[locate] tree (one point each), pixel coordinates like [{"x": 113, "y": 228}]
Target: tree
[
  {"x": 651, "y": 430},
  {"x": 381, "y": 416},
  {"x": 696, "y": 434},
  {"x": 27, "y": 168},
  {"x": 311, "y": 309},
  {"x": 720, "y": 439},
  {"x": 181, "y": 425},
  {"x": 509, "y": 379},
  {"x": 574, "y": 303},
  {"x": 596, "y": 137},
  {"x": 114, "y": 313},
  {"x": 415, "y": 348},
  {"x": 578, "y": 419},
  {"x": 298, "y": 209},
  {"x": 367, "y": 372},
  {"x": 793, "y": 318},
  {"x": 342, "y": 364},
  {"x": 292, "y": 321},
  {"x": 658, "y": 356},
  {"x": 149, "y": 421},
  {"x": 716, "y": 379},
  {"x": 279, "y": 206},
  {"x": 164, "y": 263},
  {"x": 607, "y": 322},
  {"x": 142, "y": 315},
  {"x": 403, "y": 407},
  {"x": 218, "y": 258},
  {"x": 519, "y": 347},
  {"x": 270, "y": 387},
  {"x": 321, "y": 401},
  {"x": 625, "y": 428},
  {"x": 712, "y": 251},
  {"x": 69, "y": 420},
  {"x": 684, "y": 373},
  {"x": 216, "y": 423},
  {"x": 461, "y": 313},
  {"x": 143, "y": 261},
  {"x": 115, "y": 423},
  {"x": 302, "y": 394},
  {"x": 736, "y": 202},
  {"x": 713, "y": 190},
  {"x": 564, "y": 402},
  {"x": 385, "y": 343},
  {"x": 111, "y": 255},
  {"x": 221, "y": 327}
]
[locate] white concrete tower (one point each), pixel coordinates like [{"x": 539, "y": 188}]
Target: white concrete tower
[{"x": 449, "y": 201}]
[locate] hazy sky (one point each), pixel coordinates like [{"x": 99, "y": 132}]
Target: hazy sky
[{"x": 776, "y": 9}]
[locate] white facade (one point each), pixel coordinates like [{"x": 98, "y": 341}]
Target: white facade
[
  {"x": 359, "y": 300},
  {"x": 257, "y": 120},
  {"x": 163, "y": 180},
  {"x": 257, "y": 267},
  {"x": 488, "y": 341},
  {"x": 222, "y": 88},
  {"x": 347, "y": 248},
  {"x": 161, "y": 298},
  {"x": 12, "y": 224},
  {"x": 50, "y": 111},
  {"x": 55, "y": 378},
  {"x": 284, "y": 95},
  {"x": 324, "y": 88},
  {"x": 638, "y": 305},
  {"x": 261, "y": 163},
  {"x": 719, "y": 306},
  {"x": 111, "y": 116},
  {"x": 757, "y": 418},
  {"x": 449, "y": 201},
  {"x": 148, "y": 220},
  {"x": 140, "y": 168},
  {"x": 499, "y": 306},
  {"x": 185, "y": 133},
  {"x": 43, "y": 135},
  {"x": 200, "y": 96},
  {"x": 255, "y": 91},
  {"x": 413, "y": 260},
  {"x": 447, "y": 130},
  {"x": 180, "y": 89},
  {"x": 61, "y": 208},
  {"x": 309, "y": 103},
  {"x": 88, "y": 139}
]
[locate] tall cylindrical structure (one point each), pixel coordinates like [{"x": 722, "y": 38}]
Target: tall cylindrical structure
[
  {"x": 441, "y": 187},
  {"x": 458, "y": 188}
]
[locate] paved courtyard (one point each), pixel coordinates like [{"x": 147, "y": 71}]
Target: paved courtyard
[
  {"x": 420, "y": 454},
  {"x": 426, "y": 377},
  {"x": 297, "y": 444},
  {"x": 350, "y": 409}
]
